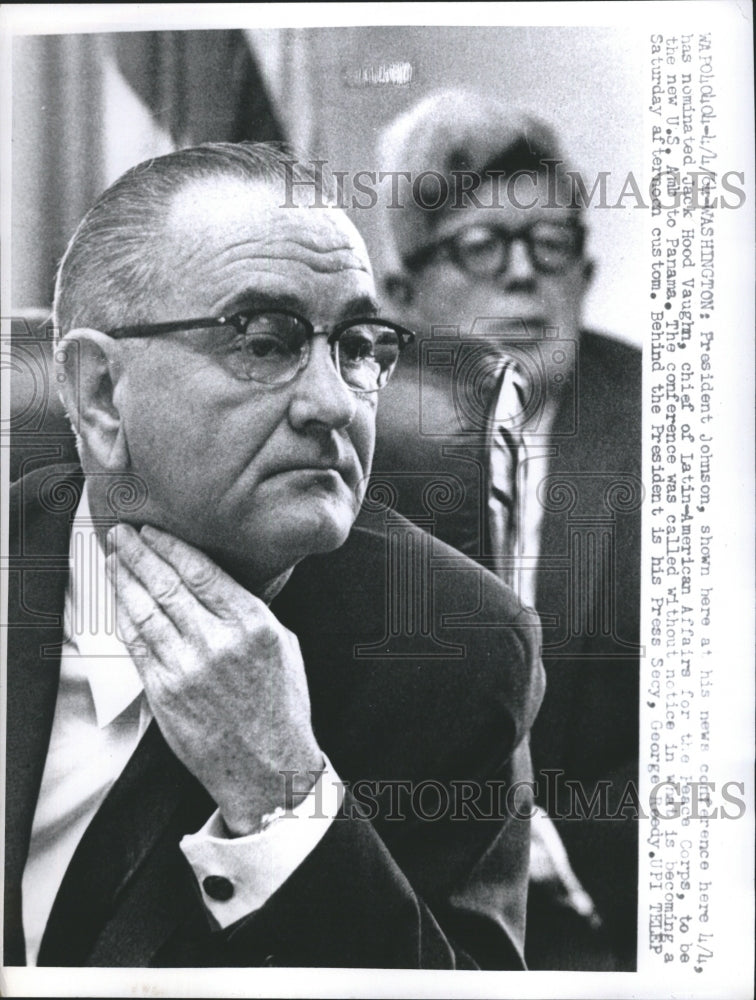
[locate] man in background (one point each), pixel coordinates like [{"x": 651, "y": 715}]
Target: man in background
[{"x": 514, "y": 434}]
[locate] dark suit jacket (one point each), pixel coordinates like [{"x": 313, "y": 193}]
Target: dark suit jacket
[
  {"x": 408, "y": 682},
  {"x": 431, "y": 458}
]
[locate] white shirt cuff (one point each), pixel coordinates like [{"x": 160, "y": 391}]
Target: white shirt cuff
[{"x": 246, "y": 871}]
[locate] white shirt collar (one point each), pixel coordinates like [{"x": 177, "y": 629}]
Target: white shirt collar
[{"x": 90, "y": 623}]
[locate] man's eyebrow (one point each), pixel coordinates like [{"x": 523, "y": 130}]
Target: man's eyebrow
[
  {"x": 251, "y": 299},
  {"x": 364, "y": 305}
]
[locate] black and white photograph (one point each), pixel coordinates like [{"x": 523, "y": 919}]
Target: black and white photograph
[{"x": 377, "y": 464}]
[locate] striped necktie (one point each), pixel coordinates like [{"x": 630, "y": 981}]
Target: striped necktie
[{"x": 507, "y": 469}]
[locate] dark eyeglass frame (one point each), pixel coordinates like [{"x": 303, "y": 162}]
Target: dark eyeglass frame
[
  {"x": 451, "y": 245},
  {"x": 241, "y": 320}
]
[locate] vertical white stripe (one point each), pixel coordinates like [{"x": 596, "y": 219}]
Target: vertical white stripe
[{"x": 131, "y": 132}]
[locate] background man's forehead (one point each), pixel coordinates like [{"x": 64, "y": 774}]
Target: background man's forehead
[{"x": 506, "y": 215}]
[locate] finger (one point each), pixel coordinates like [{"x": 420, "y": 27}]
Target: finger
[
  {"x": 159, "y": 579},
  {"x": 142, "y": 621},
  {"x": 216, "y": 590},
  {"x": 148, "y": 667},
  {"x": 128, "y": 633}
]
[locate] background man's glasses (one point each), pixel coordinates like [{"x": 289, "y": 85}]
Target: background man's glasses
[
  {"x": 484, "y": 251},
  {"x": 272, "y": 347}
]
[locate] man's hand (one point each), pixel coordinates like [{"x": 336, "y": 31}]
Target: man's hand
[{"x": 224, "y": 679}]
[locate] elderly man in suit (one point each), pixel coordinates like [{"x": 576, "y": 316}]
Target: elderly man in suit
[
  {"x": 530, "y": 427},
  {"x": 262, "y": 763}
]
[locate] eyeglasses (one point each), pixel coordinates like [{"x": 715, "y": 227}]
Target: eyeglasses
[
  {"x": 484, "y": 251},
  {"x": 272, "y": 347}
]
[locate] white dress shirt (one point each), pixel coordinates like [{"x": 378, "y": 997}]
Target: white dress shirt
[{"x": 101, "y": 713}]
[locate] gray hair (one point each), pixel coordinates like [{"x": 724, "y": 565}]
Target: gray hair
[
  {"x": 113, "y": 264},
  {"x": 457, "y": 131}
]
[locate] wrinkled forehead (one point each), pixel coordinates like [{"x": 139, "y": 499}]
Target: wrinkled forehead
[{"x": 226, "y": 216}]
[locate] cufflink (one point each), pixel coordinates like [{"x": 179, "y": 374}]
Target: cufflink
[{"x": 218, "y": 887}]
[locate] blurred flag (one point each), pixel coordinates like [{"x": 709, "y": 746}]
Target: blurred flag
[
  {"x": 289, "y": 65},
  {"x": 86, "y": 107},
  {"x": 166, "y": 89}
]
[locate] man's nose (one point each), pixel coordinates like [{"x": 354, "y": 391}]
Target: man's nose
[
  {"x": 321, "y": 397},
  {"x": 520, "y": 273}
]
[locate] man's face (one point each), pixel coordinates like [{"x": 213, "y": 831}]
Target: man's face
[
  {"x": 444, "y": 294},
  {"x": 257, "y": 476}
]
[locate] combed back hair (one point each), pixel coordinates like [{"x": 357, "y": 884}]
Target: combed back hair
[{"x": 115, "y": 263}]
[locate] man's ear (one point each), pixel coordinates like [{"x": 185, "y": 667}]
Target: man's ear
[
  {"x": 399, "y": 289},
  {"x": 88, "y": 365}
]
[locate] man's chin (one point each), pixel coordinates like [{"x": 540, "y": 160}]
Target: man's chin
[
  {"x": 312, "y": 529},
  {"x": 325, "y": 529}
]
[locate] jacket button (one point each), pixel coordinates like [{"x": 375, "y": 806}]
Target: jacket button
[{"x": 218, "y": 887}]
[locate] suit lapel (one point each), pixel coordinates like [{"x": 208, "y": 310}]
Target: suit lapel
[
  {"x": 38, "y": 572},
  {"x": 129, "y": 853},
  {"x": 154, "y": 796}
]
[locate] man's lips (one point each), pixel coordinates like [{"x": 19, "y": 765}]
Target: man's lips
[
  {"x": 344, "y": 470},
  {"x": 511, "y": 326}
]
